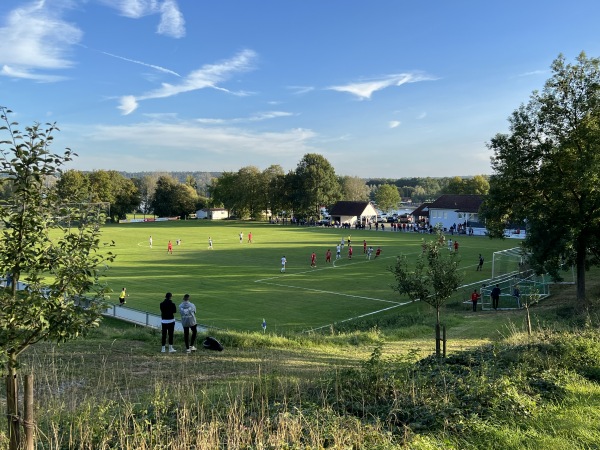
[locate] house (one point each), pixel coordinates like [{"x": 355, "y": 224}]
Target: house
[
  {"x": 421, "y": 214},
  {"x": 351, "y": 213},
  {"x": 450, "y": 209},
  {"x": 212, "y": 213}
]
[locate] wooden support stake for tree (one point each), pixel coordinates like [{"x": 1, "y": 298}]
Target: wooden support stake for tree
[
  {"x": 28, "y": 416},
  {"x": 437, "y": 339},
  {"x": 444, "y": 340}
]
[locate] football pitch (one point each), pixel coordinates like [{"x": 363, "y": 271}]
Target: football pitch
[{"x": 235, "y": 285}]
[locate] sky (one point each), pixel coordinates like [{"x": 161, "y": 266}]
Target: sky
[{"x": 381, "y": 89}]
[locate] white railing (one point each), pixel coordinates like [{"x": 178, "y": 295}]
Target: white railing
[{"x": 143, "y": 318}]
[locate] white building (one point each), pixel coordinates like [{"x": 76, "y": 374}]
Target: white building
[
  {"x": 448, "y": 210},
  {"x": 212, "y": 213}
]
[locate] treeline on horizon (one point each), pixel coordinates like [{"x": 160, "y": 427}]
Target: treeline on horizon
[
  {"x": 417, "y": 189},
  {"x": 247, "y": 193}
]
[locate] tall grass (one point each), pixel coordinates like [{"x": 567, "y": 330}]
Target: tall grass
[{"x": 517, "y": 392}]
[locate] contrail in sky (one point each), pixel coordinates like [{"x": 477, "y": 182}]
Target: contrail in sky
[{"x": 162, "y": 69}]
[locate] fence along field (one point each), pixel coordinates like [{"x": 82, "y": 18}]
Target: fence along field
[{"x": 236, "y": 285}]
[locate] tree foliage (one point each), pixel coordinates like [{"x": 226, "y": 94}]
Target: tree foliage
[
  {"x": 316, "y": 185},
  {"x": 547, "y": 171},
  {"x": 50, "y": 246},
  {"x": 477, "y": 185},
  {"x": 172, "y": 198},
  {"x": 146, "y": 185},
  {"x": 387, "y": 197},
  {"x": 100, "y": 186},
  {"x": 434, "y": 277},
  {"x": 354, "y": 189}
]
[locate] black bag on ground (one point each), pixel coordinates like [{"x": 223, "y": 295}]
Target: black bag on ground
[{"x": 211, "y": 343}]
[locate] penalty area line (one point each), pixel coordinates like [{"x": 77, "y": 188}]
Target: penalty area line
[
  {"x": 326, "y": 292},
  {"x": 360, "y": 317}
]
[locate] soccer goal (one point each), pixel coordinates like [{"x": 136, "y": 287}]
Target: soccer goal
[
  {"x": 518, "y": 283},
  {"x": 509, "y": 262},
  {"x": 516, "y": 289}
]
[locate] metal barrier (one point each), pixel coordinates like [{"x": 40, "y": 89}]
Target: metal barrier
[
  {"x": 117, "y": 311},
  {"x": 142, "y": 318}
]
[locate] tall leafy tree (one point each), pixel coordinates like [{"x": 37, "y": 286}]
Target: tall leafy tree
[
  {"x": 354, "y": 189},
  {"x": 547, "y": 171},
  {"x": 73, "y": 186},
  {"x": 60, "y": 264},
  {"x": 387, "y": 197},
  {"x": 467, "y": 186},
  {"x": 250, "y": 190},
  {"x": 270, "y": 178},
  {"x": 145, "y": 186},
  {"x": 316, "y": 185},
  {"x": 456, "y": 185},
  {"x": 223, "y": 192},
  {"x": 172, "y": 198},
  {"x": 112, "y": 187},
  {"x": 478, "y": 185}
]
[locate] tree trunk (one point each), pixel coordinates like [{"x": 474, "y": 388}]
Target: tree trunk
[
  {"x": 12, "y": 405},
  {"x": 437, "y": 340},
  {"x": 580, "y": 263},
  {"x": 528, "y": 318}
]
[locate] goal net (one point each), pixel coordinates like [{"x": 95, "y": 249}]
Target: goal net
[
  {"x": 509, "y": 262},
  {"x": 512, "y": 273}
]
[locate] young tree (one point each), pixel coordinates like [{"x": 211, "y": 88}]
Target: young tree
[
  {"x": 434, "y": 278},
  {"x": 547, "y": 171},
  {"x": 61, "y": 265}
]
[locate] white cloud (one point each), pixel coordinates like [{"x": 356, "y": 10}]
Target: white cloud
[
  {"x": 365, "y": 89},
  {"x": 533, "y": 73},
  {"x": 422, "y": 115},
  {"x": 25, "y": 74},
  {"x": 128, "y": 104},
  {"x": 35, "y": 37},
  {"x": 188, "y": 139},
  {"x": 298, "y": 90},
  {"x": 171, "y": 22},
  {"x": 159, "y": 68},
  {"x": 208, "y": 76},
  {"x": 258, "y": 117},
  {"x": 394, "y": 124},
  {"x": 133, "y": 8}
]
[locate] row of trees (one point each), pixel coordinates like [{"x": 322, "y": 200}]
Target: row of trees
[
  {"x": 162, "y": 195},
  {"x": 249, "y": 192}
]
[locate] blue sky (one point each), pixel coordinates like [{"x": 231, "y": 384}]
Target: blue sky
[{"x": 385, "y": 88}]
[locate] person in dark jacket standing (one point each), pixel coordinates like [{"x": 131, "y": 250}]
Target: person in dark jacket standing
[
  {"x": 495, "y": 296},
  {"x": 167, "y": 315}
]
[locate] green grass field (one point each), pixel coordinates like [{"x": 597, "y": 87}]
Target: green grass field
[{"x": 235, "y": 286}]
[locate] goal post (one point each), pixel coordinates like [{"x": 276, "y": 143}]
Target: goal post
[{"x": 509, "y": 262}]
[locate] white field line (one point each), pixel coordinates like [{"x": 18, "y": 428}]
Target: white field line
[
  {"x": 327, "y": 292},
  {"x": 361, "y": 316},
  {"x": 287, "y": 275},
  {"x": 394, "y": 304}
]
